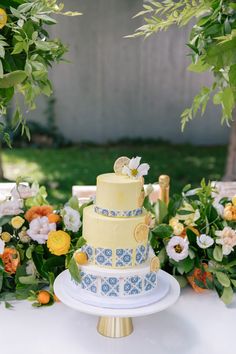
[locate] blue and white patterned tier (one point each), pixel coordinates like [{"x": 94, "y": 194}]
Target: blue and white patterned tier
[
  {"x": 118, "y": 283},
  {"x": 120, "y": 257},
  {"x": 118, "y": 213}
]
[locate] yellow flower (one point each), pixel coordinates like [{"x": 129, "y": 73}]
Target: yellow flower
[
  {"x": 5, "y": 236},
  {"x": 58, "y": 242},
  {"x": 234, "y": 200},
  {"x": 3, "y": 18},
  {"x": 17, "y": 222}
]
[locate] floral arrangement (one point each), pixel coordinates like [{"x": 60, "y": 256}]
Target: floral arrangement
[
  {"x": 195, "y": 239},
  {"x": 37, "y": 242}
]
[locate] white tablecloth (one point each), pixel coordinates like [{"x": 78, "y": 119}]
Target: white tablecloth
[{"x": 196, "y": 324}]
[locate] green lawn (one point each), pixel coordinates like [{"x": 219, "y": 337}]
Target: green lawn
[{"x": 60, "y": 169}]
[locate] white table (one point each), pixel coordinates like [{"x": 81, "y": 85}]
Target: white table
[{"x": 196, "y": 324}]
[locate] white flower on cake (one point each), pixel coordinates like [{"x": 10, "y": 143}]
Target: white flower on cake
[
  {"x": 39, "y": 229},
  {"x": 177, "y": 248},
  {"x": 2, "y": 245},
  {"x": 204, "y": 241},
  {"x": 71, "y": 218},
  {"x": 134, "y": 169},
  {"x": 23, "y": 191},
  {"x": 11, "y": 207},
  {"x": 226, "y": 238}
]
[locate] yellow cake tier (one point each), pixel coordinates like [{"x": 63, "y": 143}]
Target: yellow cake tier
[
  {"x": 119, "y": 193},
  {"x": 109, "y": 232}
]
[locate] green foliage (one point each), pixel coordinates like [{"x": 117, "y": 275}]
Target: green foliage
[
  {"x": 212, "y": 41},
  {"x": 26, "y": 54}
]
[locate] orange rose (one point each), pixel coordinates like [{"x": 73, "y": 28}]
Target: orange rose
[
  {"x": 11, "y": 260},
  {"x": 54, "y": 218},
  {"x": 201, "y": 276},
  {"x": 38, "y": 211}
]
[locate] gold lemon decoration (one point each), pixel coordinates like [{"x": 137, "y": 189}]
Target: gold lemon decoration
[
  {"x": 141, "y": 233},
  {"x": 17, "y": 222},
  {"x": 155, "y": 264},
  {"x": 3, "y": 18},
  {"x": 81, "y": 258},
  {"x": 120, "y": 163},
  {"x": 141, "y": 199}
]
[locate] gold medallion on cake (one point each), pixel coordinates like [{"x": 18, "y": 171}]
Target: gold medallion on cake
[
  {"x": 155, "y": 264},
  {"x": 120, "y": 163},
  {"x": 141, "y": 199},
  {"x": 141, "y": 233}
]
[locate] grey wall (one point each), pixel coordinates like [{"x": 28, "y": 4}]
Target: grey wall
[{"x": 118, "y": 87}]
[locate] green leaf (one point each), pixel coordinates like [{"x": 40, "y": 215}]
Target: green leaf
[
  {"x": 5, "y": 220},
  {"x": 162, "y": 255},
  {"x": 74, "y": 203},
  {"x": 227, "y": 295},
  {"x": 163, "y": 231},
  {"x": 1, "y": 71},
  {"x": 218, "y": 254},
  {"x": 8, "y": 305},
  {"x": 181, "y": 280},
  {"x": 81, "y": 242},
  {"x": 18, "y": 48},
  {"x": 199, "y": 67},
  {"x": 12, "y": 79},
  {"x": 233, "y": 281},
  {"x": 74, "y": 270},
  {"x": 223, "y": 279},
  {"x": 29, "y": 279}
]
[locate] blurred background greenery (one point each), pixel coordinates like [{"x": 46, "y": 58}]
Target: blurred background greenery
[{"x": 61, "y": 168}]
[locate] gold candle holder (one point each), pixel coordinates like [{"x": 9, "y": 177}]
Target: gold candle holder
[
  {"x": 164, "y": 182},
  {"x": 115, "y": 327}
]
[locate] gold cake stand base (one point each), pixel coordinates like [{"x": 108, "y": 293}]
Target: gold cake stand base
[{"x": 115, "y": 327}]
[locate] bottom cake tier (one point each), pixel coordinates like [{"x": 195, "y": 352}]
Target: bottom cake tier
[{"x": 118, "y": 283}]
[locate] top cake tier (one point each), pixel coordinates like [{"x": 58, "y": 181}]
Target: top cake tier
[{"x": 119, "y": 195}]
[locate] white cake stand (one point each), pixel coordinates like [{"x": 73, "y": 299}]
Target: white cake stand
[{"x": 114, "y": 322}]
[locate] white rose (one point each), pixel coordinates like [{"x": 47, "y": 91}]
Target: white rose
[
  {"x": 11, "y": 207},
  {"x": 71, "y": 218},
  {"x": 39, "y": 229}
]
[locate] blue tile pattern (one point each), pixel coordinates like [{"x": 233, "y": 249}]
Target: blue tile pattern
[
  {"x": 118, "y": 213},
  {"x": 150, "y": 281},
  {"x": 89, "y": 282},
  {"x": 124, "y": 257},
  {"x": 133, "y": 285},
  {"x": 141, "y": 254},
  {"x": 103, "y": 256},
  {"x": 110, "y": 286}
]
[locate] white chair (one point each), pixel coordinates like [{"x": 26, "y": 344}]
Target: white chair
[{"x": 225, "y": 189}]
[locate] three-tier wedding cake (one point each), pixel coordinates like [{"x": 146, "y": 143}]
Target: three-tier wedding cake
[{"x": 120, "y": 261}]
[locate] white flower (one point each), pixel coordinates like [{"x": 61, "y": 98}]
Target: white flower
[
  {"x": 11, "y": 207},
  {"x": 39, "y": 229},
  {"x": 189, "y": 218},
  {"x": 204, "y": 241},
  {"x": 71, "y": 218},
  {"x": 219, "y": 208},
  {"x": 24, "y": 191},
  {"x": 30, "y": 268},
  {"x": 134, "y": 169},
  {"x": 227, "y": 238},
  {"x": 177, "y": 248},
  {"x": 2, "y": 245}
]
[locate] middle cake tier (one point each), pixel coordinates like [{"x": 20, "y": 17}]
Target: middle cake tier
[{"x": 115, "y": 242}]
